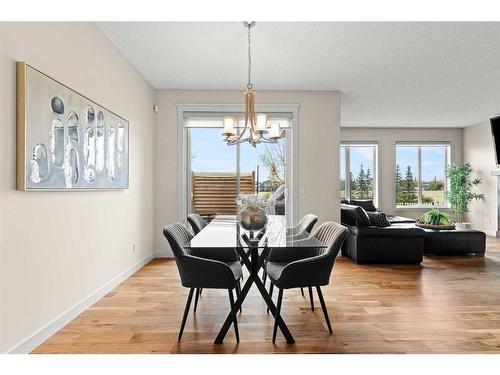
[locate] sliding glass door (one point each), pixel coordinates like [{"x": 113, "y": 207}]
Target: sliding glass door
[{"x": 217, "y": 173}]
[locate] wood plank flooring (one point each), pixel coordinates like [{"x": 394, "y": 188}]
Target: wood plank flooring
[{"x": 446, "y": 305}]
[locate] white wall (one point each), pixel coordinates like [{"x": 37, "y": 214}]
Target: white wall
[
  {"x": 56, "y": 248},
  {"x": 386, "y": 138},
  {"x": 317, "y": 156},
  {"x": 479, "y": 151}
]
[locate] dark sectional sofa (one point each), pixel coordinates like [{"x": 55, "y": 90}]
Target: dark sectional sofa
[{"x": 402, "y": 241}]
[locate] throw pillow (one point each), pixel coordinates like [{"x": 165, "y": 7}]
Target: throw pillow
[
  {"x": 367, "y": 204},
  {"x": 379, "y": 219},
  {"x": 354, "y": 215}
]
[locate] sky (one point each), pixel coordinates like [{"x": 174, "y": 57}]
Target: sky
[
  {"x": 433, "y": 161},
  {"x": 211, "y": 154}
]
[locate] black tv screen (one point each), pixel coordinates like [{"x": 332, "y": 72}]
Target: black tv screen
[{"x": 495, "y": 130}]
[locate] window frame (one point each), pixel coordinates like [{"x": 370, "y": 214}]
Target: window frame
[
  {"x": 376, "y": 167},
  {"x": 448, "y": 159}
]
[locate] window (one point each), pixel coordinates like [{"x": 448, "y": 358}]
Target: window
[
  {"x": 358, "y": 171},
  {"x": 420, "y": 176}
]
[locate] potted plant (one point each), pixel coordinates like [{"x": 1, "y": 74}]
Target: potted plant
[
  {"x": 435, "y": 219},
  {"x": 460, "y": 192}
]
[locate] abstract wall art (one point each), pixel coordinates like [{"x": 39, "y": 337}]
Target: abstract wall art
[{"x": 66, "y": 141}]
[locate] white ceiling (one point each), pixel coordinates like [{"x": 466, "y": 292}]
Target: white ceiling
[{"x": 390, "y": 74}]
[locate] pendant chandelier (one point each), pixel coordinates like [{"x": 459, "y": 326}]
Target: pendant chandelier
[{"x": 256, "y": 125}]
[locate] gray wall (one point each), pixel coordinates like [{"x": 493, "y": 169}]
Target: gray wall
[{"x": 56, "y": 248}]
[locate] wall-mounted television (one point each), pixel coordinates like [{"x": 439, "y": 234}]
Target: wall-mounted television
[{"x": 495, "y": 130}]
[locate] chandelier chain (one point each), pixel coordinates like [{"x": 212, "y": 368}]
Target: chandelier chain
[{"x": 249, "y": 84}]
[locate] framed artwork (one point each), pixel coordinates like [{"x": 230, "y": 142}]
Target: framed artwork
[{"x": 65, "y": 141}]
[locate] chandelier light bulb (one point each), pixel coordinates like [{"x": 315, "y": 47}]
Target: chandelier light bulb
[
  {"x": 275, "y": 130},
  {"x": 228, "y": 126},
  {"x": 261, "y": 122}
]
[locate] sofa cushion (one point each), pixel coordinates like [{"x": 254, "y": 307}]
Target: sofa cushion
[
  {"x": 354, "y": 215},
  {"x": 396, "y": 230},
  {"x": 378, "y": 219},
  {"x": 367, "y": 204}
]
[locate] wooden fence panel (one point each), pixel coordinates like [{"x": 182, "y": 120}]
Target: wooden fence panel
[{"x": 215, "y": 193}]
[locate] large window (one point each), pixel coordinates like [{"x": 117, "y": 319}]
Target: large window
[
  {"x": 358, "y": 171},
  {"x": 420, "y": 176}
]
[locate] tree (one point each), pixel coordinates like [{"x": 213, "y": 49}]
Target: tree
[
  {"x": 369, "y": 186},
  {"x": 273, "y": 159},
  {"x": 399, "y": 179},
  {"x": 409, "y": 184},
  {"x": 436, "y": 184},
  {"x": 405, "y": 188},
  {"x": 361, "y": 182},
  {"x": 353, "y": 184}
]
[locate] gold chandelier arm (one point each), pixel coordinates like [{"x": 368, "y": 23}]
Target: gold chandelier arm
[
  {"x": 252, "y": 113},
  {"x": 246, "y": 115}
]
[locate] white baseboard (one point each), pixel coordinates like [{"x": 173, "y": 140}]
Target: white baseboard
[
  {"x": 40, "y": 336},
  {"x": 163, "y": 254}
]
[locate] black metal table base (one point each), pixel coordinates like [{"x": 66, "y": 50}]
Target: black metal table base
[{"x": 254, "y": 264}]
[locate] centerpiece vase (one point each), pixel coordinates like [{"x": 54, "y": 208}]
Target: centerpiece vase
[{"x": 252, "y": 215}]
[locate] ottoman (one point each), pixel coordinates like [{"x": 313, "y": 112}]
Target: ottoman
[{"x": 450, "y": 242}]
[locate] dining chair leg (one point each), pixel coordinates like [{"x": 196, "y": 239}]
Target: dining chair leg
[
  {"x": 311, "y": 298},
  {"x": 198, "y": 292},
  {"x": 201, "y": 290},
  {"x": 302, "y": 291},
  {"x": 278, "y": 311},
  {"x": 264, "y": 277},
  {"x": 235, "y": 322},
  {"x": 323, "y": 306},
  {"x": 186, "y": 311},
  {"x": 270, "y": 293},
  {"x": 238, "y": 291}
]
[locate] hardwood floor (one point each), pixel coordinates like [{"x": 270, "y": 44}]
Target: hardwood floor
[{"x": 446, "y": 305}]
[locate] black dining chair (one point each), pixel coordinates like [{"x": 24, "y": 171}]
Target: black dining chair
[
  {"x": 201, "y": 270},
  {"x": 301, "y": 230},
  {"x": 196, "y": 222},
  {"x": 304, "y": 226},
  {"x": 300, "y": 267}
]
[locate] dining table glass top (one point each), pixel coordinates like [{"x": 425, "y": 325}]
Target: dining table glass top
[{"x": 224, "y": 231}]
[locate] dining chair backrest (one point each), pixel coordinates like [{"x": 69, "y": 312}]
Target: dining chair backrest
[
  {"x": 178, "y": 236},
  {"x": 306, "y": 224},
  {"x": 332, "y": 235},
  {"x": 196, "y": 222}
]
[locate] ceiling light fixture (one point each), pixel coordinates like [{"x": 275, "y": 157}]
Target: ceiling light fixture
[{"x": 255, "y": 124}]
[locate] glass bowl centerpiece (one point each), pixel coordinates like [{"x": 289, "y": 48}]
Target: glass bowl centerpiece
[{"x": 252, "y": 215}]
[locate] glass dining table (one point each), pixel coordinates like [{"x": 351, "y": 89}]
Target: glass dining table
[{"x": 224, "y": 232}]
